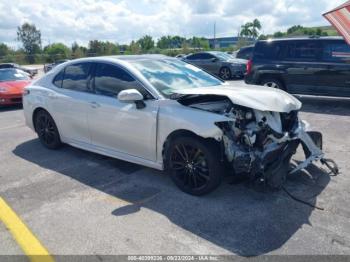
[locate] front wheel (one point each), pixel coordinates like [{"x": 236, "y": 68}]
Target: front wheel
[
  {"x": 225, "y": 73},
  {"x": 47, "y": 130},
  {"x": 194, "y": 165}
]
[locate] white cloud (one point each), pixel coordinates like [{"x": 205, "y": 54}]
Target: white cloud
[{"x": 124, "y": 20}]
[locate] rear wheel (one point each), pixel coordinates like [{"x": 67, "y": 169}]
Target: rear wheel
[
  {"x": 194, "y": 165},
  {"x": 225, "y": 73},
  {"x": 47, "y": 130},
  {"x": 272, "y": 82}
]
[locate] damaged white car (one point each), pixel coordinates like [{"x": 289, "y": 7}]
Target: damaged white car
[{"x": 165, "y": 114}]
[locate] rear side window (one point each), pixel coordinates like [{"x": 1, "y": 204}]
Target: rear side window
[
  {"x": 336, "y": 51},
  {"x": 110, "y": 80},
  {"x": 304, "y": 50},
  {"x": 57, "y": 81},
  {"x": 194, "y": 57},
  {"x": 245, "y": 53},
  {"x": 268, "y": 50},
  {"x": 200, "y": 56},
  {"x": 76, "y": 77}
]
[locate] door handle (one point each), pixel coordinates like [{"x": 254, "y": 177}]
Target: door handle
[{"x": 94, "y": 104}]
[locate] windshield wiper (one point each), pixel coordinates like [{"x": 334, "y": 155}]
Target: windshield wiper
[{"x": 176, "y": 96}]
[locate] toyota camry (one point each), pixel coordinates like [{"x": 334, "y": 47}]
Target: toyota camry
[{"x": 166, "y": 114}]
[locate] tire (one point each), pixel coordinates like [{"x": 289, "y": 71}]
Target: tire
[
  {"x": 194, "y": 165},
  {"x": 225, "y": 73},
  {"x": 47, "y": 130},
  {"x": 272, "y": 82}
]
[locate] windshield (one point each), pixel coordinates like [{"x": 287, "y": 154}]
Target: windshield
[
  {"x": 223, "y": 56},
  {"x": 170, "y": 75},
  {"x": 12, "y": 75}
]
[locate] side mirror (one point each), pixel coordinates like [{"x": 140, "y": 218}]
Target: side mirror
[
  {"x": 214, "y": 59},
  {"x": 132, "y": 96}
]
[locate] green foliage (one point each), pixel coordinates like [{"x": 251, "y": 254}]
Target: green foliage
[
  {"x": 56, "y": 51},
  {"x": 4, "y": 50},
  {"x": 78, "y": 51},
  {"x": 170, "y": 42},
  {"x": 199, "y": 43},
  {"x": 146, "y": 43},
  {"x": 98, "y": 48},
  {"x": 30, "y": 37}
]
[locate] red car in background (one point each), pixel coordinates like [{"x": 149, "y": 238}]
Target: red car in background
[{"x": 12, "y": 83}]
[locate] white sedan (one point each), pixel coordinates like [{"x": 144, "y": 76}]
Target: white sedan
[{"x": 163, "y": 113}]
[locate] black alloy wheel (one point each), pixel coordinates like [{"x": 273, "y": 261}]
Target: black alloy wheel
[
  {"x": 47, "y": 130},
  {"x": 194, "y": 166}
]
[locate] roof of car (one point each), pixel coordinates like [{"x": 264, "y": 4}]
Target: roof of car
[{"x": 138, "y": 57}]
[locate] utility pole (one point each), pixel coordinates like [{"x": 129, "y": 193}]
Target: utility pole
[{"x": 215, "y": 34}]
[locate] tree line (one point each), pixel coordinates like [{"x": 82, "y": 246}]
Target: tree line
[{"x": 32, "y": 50}]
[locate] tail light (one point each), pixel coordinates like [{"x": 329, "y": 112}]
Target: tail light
[{"x": 249, "y": 66}]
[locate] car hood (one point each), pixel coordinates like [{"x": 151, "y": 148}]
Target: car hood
[
  {"x": 255, "y": 97},
  {"x": 15, "y": 87}
]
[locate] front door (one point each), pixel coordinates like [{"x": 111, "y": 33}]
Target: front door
[{"x": 119, "y": 126}]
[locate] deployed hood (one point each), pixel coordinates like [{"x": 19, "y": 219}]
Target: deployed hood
[{"x": 255, "y": 97}]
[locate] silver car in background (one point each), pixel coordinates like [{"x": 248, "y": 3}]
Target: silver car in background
[
  {"x": 166, "y": 114},
  {"x": 218, "y": 63}
]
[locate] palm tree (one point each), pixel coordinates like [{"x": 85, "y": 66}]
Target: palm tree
[
  {"x": 256, "y": 26},
  {"x": 251, "y": 29},
  {"x": 245, "y": 30}
]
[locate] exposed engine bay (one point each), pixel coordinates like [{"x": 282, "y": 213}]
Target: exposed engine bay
[{"x": 260, "y": 144}]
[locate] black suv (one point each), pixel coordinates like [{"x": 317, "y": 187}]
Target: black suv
[{"x": 313, "y": 66}]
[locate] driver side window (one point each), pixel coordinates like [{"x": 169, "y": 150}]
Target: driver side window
[{"x": 109, "y": 80}]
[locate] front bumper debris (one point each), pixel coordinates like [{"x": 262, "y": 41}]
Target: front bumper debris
[
  {"x": 312, "y": 151},
  {"x": 272, "y": 164}
]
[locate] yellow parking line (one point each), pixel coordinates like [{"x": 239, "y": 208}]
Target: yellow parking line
[{"x": 20, "y": 232}]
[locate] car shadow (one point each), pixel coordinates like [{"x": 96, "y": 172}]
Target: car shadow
[
  {"x": 238, "y": 218},
  {"x": 325, "y": 105}
]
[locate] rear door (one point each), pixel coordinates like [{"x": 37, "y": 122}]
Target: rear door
[
  {"x": 335, "y": 80},
  {"x": 69, "y": 103},
  {"x": 302, "y": 61}
]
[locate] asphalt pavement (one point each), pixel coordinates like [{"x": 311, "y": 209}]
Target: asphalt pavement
[{"x": 76, "y": 202}]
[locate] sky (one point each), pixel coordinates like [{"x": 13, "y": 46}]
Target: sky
[{"x": 124, "y": 20}]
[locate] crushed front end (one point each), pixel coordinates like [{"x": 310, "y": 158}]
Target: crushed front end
[{"x": 260, "y": 144}]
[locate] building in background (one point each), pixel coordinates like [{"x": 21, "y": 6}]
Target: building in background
[{"x": 225, "y": 42}]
